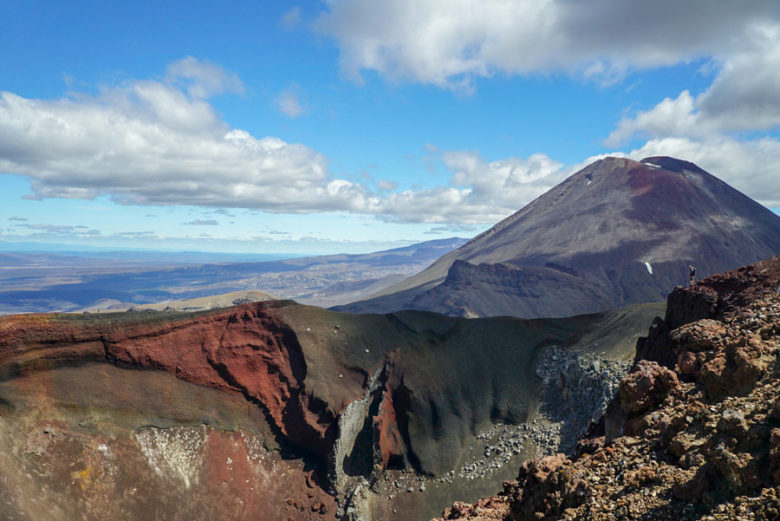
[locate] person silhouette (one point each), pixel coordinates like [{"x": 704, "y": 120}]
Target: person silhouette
[{"x": 692, "y": 273}]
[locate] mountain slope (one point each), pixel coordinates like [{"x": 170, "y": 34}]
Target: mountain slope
[{"x": 618, "y": 231}]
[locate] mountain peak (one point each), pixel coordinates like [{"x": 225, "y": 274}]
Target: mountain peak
[
  {"x": 672, "y": 164},
  {"x": 619, "y": 231}
]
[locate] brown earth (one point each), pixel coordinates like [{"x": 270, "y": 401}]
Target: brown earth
[{"x": 694, "y": 432}]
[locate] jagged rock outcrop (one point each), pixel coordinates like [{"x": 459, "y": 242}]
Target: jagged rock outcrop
[
  {"x": 696, "y": 424},
  {"x": 616, "y": 232}
]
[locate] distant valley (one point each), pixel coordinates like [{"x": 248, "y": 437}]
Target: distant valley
[{"x": 35, "y": 282}]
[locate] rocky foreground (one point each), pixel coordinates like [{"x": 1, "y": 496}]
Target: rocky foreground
[{"x": 694, "y": 432}]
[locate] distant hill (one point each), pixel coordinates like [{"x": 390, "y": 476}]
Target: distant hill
[
  {"x": 44, "y": 282},
  {"x": 224, "y": 300},
  {"x": 616, "y": 232}
]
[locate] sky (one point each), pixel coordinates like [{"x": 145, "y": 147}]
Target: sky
[{"x": 358, "y": 125}]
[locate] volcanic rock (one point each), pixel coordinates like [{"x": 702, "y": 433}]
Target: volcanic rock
[
  {"x": 646, "y": 387},
  {"x": 698, "y": 447}
]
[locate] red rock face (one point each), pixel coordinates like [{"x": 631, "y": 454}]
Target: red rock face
[
  {"x": 78, "y": 443},
  {"x": 231, "y": 467},
  {"x": 388, "y": 437},
  {"x": 388, "y": 440},
  {"x": 243, "y": 350}
]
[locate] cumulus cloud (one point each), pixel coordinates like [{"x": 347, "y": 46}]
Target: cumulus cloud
[
  {"x": 480, "y": 191},
  {"x": 162, "y": 143},
  {"x": 450, "y": 43},
  {"x": 743, "y": 96},
  {"x": 670, "y": 116},
  {"x": 288, "y": 102},
  {"x": 203, "y": 78}
]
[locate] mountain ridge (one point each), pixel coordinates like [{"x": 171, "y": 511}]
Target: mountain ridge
[{"x": 625, "y": 228}]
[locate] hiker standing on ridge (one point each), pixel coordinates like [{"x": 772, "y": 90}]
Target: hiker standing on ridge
[{"x": 692, "y": 272}]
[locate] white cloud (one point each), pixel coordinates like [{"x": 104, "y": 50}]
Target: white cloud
[
  {"x": 162, "y": 143},
  {"x": 480, "y": 191},
  {"x": 202, "y": 222},
  {"x": 289, "y": 103},
  {"x": 452, "y": 229},
  {"x": 743, "y": 96},
  {"x": 670, "y": 116},
  {"x": 203, "y": 78},
  {"x": 151, "y": 142},
  {"x": 450, "y": 43},
  {"x": 60, "y": 230}
]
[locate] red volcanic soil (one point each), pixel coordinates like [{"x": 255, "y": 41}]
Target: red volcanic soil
[
  {"x": 243, "y": 350},
  {"x": 653, "y": 184},
  {"x": 389, "y": 443}
]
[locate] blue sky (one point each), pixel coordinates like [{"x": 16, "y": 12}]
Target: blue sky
[{"x": 355, "y": 125}]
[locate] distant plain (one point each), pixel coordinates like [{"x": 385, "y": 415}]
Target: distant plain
[{"x": 116, "y": 280}]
